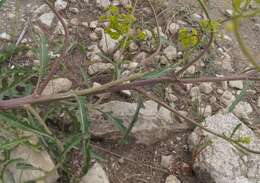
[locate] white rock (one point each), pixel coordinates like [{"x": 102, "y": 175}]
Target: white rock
[
  {"x": 93, "y": 52},
  {"x": 84, "y": 24},
  {"x": 191, "y": 70},
  {"x": 74, "y": 10},
  {"x": 258, "y": 102},
  {"x": 93, "y": 24},
  {"x": 132, "y": 65},
  {"x": 173, "y": 28},
  {"x": 44, "y": 8},
  {"x": 5, "y": 36},
  {"x": 152, "y": 125},
  {"x": 195, "y": 92},
  {"x": 47, "y": 19},
  {"x": 242, "y": 110},
  {"x": 99, "y": 68},
  {"x": 57, "y": 85},
  {"x": 172, "y": 179},
  {"x": 126, "y": 92},
  {"x": 206, "y": 88},
  {"x": 226, "y": 63},
  {"x": 93, "y": 36},
  {"x": 166, "y": 161},
  {"x": 103, "y": 3},
  {"x": 220, "y": 91},
  {"x": 107, "y": 44},
  {"x": 96, "y": 174},
  {"x": 60, "y": 5},
  {"x": 170, "y": 52},
  {"x": 213, "y": 99},
  {"x": 74, "y": 21},
  {"x": 118, "y": 55},
  {"x": 122, "y": 3},
  {"x": 133, "y": 46},
  {"x": 38, "y": 159},
  {"x": 227, "y": 98},
  {"x": 236, "y": 84},
  {"x": 221, "y": 162},
  {"x": 196, "y": 17},
  {"x": 229, "y": 12}
]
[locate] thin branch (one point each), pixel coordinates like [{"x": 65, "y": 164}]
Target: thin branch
[
  {"x": 57, "y": 62},
  {"x": 113, "y": 86}
]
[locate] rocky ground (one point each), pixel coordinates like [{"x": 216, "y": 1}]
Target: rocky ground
[{"x": 163, "y": 147}]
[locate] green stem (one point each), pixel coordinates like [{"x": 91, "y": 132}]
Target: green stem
[{"x": 242, "y": 45}]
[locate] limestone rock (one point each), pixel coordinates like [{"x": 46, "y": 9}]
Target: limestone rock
[
  {"x": 47, "y": 19},
  {"x": 258, "y": 102},
  {"x": 93, "y": 52},
  {"x": 172, "y": 179},
  {"x": 107, "y": 44},
  {"x": 39, "y": 160},
  {"x": 236, "y": 84},
  {"x": 170, "y": 52},
  {"x": 60, "y": 5},
  {"x": 173, "y": 28},
  {"x": 41, "y": 9},
  {"x": 99, "y": 68},
  {"x": 5, "y": 36},
  {"x": 227, "y": 98},
  {"x": 206, "y": 88},
  {"x": 242, "y": 110},
  {"x": 166, "y": 161},
  {"x": 103, "y": 3},
  {"x": 221, "y": 162},
  {"x": 57, "y": 85},
  {"x": 96, "y": 174},
  {"x": 152, "y": 124}
]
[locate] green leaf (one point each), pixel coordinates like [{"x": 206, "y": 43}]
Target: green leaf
[
  {"x": 84, "y": 120},
  {"x": 240, "y": 96},
  {"x": 83, "y": 116},
  {"x": 236, "y": 5},
  {"x": 11, "y": 51},
  {"x": 140, "y": 106},
  {"x": 188, "y": 38},
  {"x": 15, "y": 123},
  {"x": 160, "y": 72},
  {"x": 12, "y": 143},
  {"x": 43, "y": 55},
  {"x": 116, "y": 121},
  {"x": 26, "y": 166},
  {"x": 71, "y": 142},
  {"x": 244, "y": 140},
  {"x": 236, "y": 129},
  {"x": 2, "y": 3}
]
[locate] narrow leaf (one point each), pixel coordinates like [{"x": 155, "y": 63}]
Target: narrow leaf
[
  {"x": 12, "y": 143},
  {"x": 15, "y": 123},
  {"x": 116, "y": 121},
  {"x": 140, "y": 105}
]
